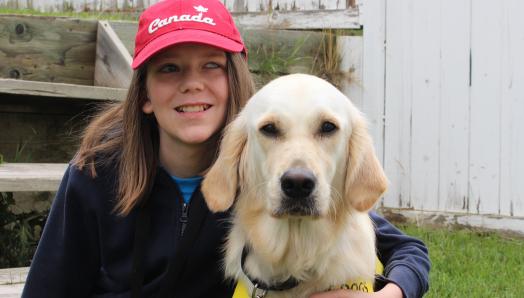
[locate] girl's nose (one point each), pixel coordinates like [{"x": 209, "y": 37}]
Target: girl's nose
[{"x": 191, "y": 82}]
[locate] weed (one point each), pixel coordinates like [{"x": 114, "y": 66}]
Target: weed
[{"x": 19, "y": 233}]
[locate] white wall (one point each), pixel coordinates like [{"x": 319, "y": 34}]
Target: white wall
[{"x": 453, "y": 93}]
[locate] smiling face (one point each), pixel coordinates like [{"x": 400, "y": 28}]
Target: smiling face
[{"x": 188, "y": 93}]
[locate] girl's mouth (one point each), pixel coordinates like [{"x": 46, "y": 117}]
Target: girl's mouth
[{"x": 192, "y": 108}]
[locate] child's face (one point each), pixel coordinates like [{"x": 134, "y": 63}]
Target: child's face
[{"x": 188, "y": 92}]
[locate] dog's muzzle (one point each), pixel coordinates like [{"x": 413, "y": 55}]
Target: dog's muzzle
[{"x": 298, "y": 186}]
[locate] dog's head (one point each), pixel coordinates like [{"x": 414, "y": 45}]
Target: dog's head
[{"x": 299, "y": 148}]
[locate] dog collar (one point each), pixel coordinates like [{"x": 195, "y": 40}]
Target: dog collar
[{"x": 260, "y": 288}]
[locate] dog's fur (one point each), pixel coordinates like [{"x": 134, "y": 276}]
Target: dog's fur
[{"x": 327, "y": 242}]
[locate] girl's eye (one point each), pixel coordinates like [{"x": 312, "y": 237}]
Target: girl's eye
[
  {"x": 212, "y": 65},
  {"x": 169, "y": 68}
]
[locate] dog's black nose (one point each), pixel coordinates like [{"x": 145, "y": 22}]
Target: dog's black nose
[{"x": 297, "y": 183}]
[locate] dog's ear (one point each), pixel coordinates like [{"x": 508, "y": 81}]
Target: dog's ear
[
  {"x": 365, "y": 179},
  {"x": 221, "y": 181}
]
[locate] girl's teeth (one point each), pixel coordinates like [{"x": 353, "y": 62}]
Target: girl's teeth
[{"x": 192, "y": 109}]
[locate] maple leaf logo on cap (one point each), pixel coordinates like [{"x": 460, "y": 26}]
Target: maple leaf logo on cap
[{"x": 200, "y": 8}]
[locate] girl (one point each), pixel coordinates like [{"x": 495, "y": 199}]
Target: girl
[{"x": 131, "y": 193}]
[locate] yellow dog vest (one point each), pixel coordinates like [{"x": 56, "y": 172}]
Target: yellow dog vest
[{"x": 241, "y": 290}]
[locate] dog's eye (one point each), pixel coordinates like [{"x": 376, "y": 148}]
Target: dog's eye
[
  {"x": 327, "y": 128},
  {"x": 270, "y": 130}
]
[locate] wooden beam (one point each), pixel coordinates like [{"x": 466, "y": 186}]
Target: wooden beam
[
  {"x": 303, "y": 20},
  {"x": 126, "y": 31},
  {"x": 31, "y": 176},
  {"x": 61, "y": 90},
  {"x": 9, "y": 276},
  {"x": 49, "y": 49},
  {"x": 113, "y": 61},
  {"x": 12, "y": 281}
]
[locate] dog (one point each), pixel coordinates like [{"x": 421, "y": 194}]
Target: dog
[{"x": 299, "y": 167}]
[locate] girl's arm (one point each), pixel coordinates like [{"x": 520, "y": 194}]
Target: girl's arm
[{"x": 406, "y": 260}]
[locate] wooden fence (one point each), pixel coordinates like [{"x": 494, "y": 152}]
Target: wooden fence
[
  {"x": 237, "y": 6},
  {"x": 451, "y": 90}
]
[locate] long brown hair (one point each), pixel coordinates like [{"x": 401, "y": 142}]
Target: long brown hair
[{"x": 124, "y": 135}]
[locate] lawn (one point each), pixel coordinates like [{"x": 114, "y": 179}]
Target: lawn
[{"x": 471, "y": 263}]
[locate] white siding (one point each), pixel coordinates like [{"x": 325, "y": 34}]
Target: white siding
[
  {"x": 454, "y": 105},
  {"x": 398, "y": 103},
  {"x": 512, "y": 110}
]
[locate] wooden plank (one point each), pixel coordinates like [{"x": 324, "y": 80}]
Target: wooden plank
[
  {"x": 373, "y": 69},
  {"x": 31, "y": 176},
  {"x": 113, "y": 61},
  {"x": 318, "y": 19},
  {"x": 512, "y": 108},
  {"x": 281, "y": 5},
  {"x": 425, "y": 109},
  {"x": 11, "y": 291},
  {"x": 9, "y": 276},
  {"x": 331, "y": 5},
  {"x": 125, "y": 5},
  {"x": 126, "y": 32},
  {"x": 485, "y": 107},
  {"x": 61, "y": 90},
  {"x": 398, "y": 103},
  {"x": 454, "y": 97},
  {"x": 47, "y": 49}
]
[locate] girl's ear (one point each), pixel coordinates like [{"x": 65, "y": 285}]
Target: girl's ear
[
  {"x": 365, "y": 179},
  {"x": 221, "y": 182},
  {"x": 147, "y": 107}
]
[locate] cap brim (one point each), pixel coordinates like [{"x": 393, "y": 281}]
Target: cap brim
[{"x": 186, "y": 36}]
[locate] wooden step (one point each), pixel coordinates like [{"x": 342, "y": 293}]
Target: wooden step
[
  {"x": 31, "y": 176},
  {"x": 12, "y": 281}
]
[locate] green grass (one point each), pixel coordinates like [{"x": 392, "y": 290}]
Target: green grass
[{"x": 468, "y": 263}]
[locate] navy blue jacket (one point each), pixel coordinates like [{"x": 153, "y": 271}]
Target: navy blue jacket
[
  {"x": 86, "y": 249},
  {"x": 405, "y": 259}
]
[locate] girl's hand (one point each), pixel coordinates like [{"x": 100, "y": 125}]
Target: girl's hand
[{"x": 391, "y": 290}]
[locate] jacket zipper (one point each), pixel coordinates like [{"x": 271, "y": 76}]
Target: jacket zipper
[{"x": 184, "y": 218}]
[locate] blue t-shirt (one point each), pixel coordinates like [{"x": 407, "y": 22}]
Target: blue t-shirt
[{"x": 187, "y": 186}]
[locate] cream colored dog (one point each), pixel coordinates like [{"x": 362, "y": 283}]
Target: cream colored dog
[{"x": 301, "y": 165}]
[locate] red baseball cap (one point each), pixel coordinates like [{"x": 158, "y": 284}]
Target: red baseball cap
[{"x": 171, "y": 22}]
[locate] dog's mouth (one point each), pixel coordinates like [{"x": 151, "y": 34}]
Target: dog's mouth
[{"x": 304, "y": 208}]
